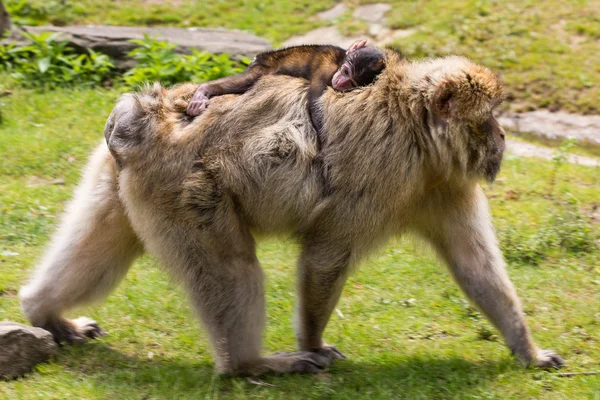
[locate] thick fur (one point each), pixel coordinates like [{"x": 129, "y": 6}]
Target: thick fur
[{"x": 404, "y": 154}]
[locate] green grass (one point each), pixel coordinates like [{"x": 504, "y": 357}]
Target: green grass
[{"x": 435, "y": 346}]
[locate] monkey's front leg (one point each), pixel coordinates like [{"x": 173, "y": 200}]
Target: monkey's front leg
[
  {"x": 466, "y": 240},
  {"x": 323, "y": 269}
]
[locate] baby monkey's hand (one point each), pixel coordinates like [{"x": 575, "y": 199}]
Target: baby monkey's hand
[{"x": 199, "y": 102}]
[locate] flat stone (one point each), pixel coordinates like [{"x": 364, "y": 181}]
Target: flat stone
[
  {"x": 373, "y": 13},
  {"x": 388, "y": 36},
  {"x": 22, "y": 347},
  {"x": 523, "y": 149},
  {"x": 376, "y": 30},
  {"x": 554, "y": 125},
  {"x": 115, "y": 40},
  {"x": 335, "y": 12},
  {"x": 327, "y": 35}
]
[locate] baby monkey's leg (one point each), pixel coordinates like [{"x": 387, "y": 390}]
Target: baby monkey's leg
[{"x": 231, "y": 85}]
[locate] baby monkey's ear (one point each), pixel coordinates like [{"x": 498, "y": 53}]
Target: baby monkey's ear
[{"x": 357, "y": 45}]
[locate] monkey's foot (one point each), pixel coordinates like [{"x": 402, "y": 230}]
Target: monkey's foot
[
  {"x": 301, "y": 361},
  {"x": 74, "y": 331},
  {"x": 331, "y": 352},
  {"x": 547, "y": 359},
  {"x": 288, "y": 363}
]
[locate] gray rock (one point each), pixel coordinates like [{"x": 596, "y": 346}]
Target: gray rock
[
  {"x": 555, "y": 125},
  {"x": 388, "y": 36},
  {"x": 22, "y": 347},
  {"x": 373, "y": 13},
  {"x": 335, "y": 12},
  {"x": 327, "y": 35},
  {"x": 115, "y": 40}
]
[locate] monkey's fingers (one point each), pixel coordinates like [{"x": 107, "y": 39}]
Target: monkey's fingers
[
  {"x": 337, "y": 355},
  {"x": 331, "y": 352},
  {"x": 357, "y": 45},
  {"x": 196, "y": 108},
  {"x": 298, "y": 362},
  {"x": 548, "y": 359}
]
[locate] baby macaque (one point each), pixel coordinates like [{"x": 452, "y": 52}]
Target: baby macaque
[{"x": 322, "y": 65}]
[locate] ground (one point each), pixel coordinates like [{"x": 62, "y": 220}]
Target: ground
[{"x": 405, "y": 327}]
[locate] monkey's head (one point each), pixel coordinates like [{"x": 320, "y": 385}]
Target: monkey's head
[
  {"x": 460, "y": 98},
  {"x": 360, "y": 67}
]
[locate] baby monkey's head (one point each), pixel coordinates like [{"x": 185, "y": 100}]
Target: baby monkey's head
[{"x": 360, "y": 67}]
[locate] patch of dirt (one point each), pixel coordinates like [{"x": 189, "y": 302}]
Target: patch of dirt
[
  {"x": 327, "y": 35},
  {"x": 530, "y": 150},
  {"x": 8, "y": 292},
  {"x": 554, "y": 125},
  {"x": 373, "y": 14},
  {"x": 34, "y": 181},
  {"x": 388, "y": 36},
  {"x": 335, "y": 12}
]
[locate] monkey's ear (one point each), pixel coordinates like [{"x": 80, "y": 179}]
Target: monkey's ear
[
  {"x": 357, "y": 45},
  {"x": 444, "y": 101}
]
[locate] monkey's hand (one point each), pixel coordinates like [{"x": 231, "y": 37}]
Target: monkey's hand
[
  {"x": 199, "y": 103},
  {"x": 547, "y": 359}
]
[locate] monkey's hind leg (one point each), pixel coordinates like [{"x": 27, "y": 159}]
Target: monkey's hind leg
[
  {"x": 322, "y": 272},
  {"x": 218, "y": 265},
  {"x": 88, "y": 256}
]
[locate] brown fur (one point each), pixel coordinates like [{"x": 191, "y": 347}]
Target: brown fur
[
  {"x": 404, "y": 154},
  {"x": 315, "y": 63}
]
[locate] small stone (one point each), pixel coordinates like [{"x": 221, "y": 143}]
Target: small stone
[
  {"x": 22, "y": 347},
  {"x": 375, "y": 29},
  {"x": 373, "y": 13},
  {"x": 335, "y": 12},
  {"x": 326, "y": 35},
  {"x": 387, "y": 36}
]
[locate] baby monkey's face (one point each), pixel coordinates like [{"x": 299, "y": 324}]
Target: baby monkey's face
[
  {"x": 343, "y": 78},
  {"x": 360, "y": 68}
]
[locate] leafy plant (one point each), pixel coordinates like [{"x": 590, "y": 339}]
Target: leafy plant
[
  {"x": 49, "y": 63},
  {"x": 36, "y": 12},
  {"x": 158, "y": 61}
]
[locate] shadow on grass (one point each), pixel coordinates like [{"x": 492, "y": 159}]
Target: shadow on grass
[{"x": 115, "y": 375}]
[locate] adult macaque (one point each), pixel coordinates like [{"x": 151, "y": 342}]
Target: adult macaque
[
  {"x": 320, "y": 64},
  {"x": 404, "y": 154}
]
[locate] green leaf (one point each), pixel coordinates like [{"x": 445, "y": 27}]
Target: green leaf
[{"x": 43, "y": 64}]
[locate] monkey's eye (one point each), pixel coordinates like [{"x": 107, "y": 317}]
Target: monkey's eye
[{"x": 345, "y": 71}]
